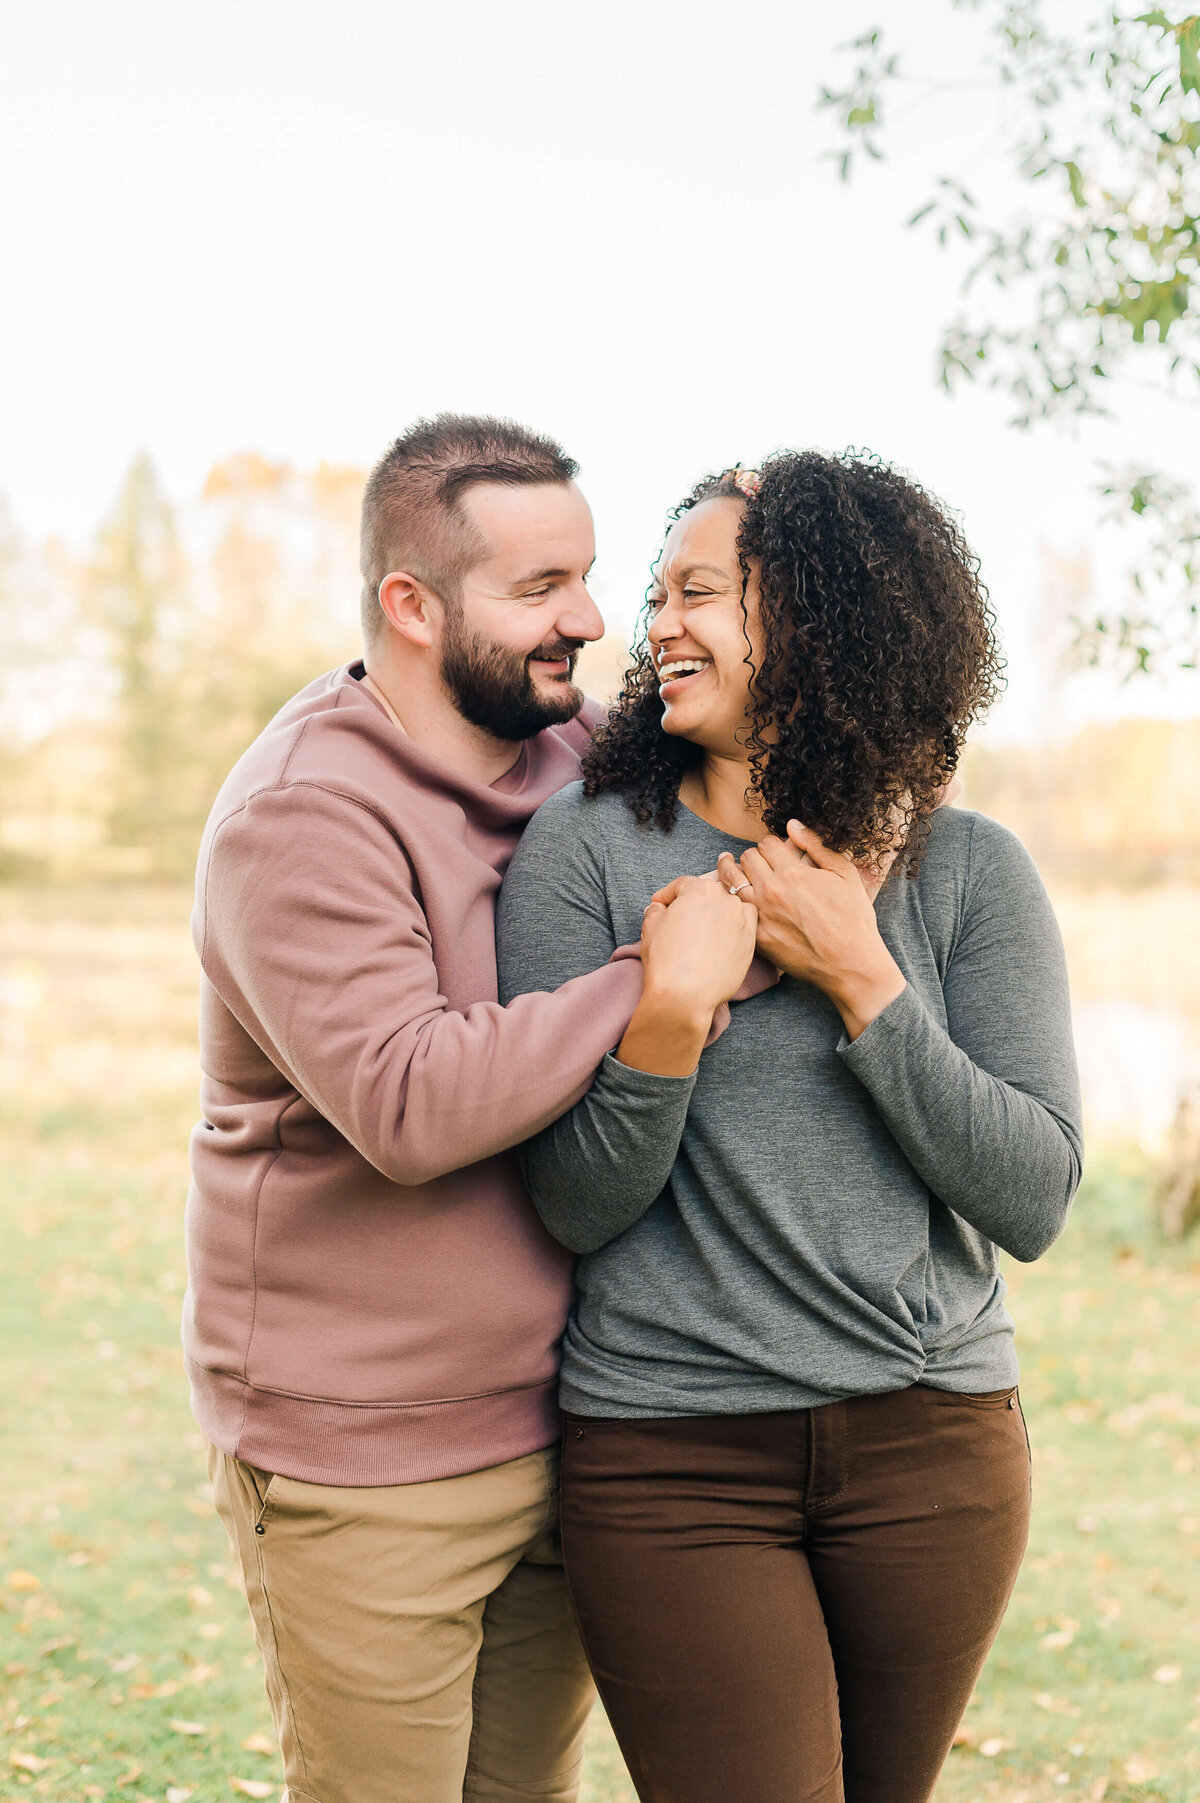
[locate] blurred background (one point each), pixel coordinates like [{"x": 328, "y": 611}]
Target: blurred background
[{"x": 247, "y": 244}]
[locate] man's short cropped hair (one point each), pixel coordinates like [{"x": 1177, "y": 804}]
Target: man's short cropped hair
[{"x": 412, "y": 517}]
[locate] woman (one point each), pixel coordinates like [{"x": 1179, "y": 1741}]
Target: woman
[{"x": 795, "y": 1475}]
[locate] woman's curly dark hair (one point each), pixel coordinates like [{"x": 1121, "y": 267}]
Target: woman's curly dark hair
[{"x": 879, "y": 651}]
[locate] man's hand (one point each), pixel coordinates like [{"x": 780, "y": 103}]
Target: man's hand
[
  {"x": 696, "y": 950},
  {"x": 816, "y": 921}
]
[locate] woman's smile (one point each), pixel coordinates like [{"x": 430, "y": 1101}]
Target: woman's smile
[{"x": 675, "y": 674}]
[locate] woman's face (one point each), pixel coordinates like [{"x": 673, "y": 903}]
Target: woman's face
[{"x": 697, "y": 621}]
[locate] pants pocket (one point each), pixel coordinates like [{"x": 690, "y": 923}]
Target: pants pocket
[
  {"x": 261, "y": 1484},
  {"x": 978, "y": 1399}
]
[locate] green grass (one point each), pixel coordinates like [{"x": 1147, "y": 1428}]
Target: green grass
[{"x": 120, "y": 1614}]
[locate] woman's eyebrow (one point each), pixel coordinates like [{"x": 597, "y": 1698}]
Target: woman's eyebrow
[{"x": 693, "y": 569}]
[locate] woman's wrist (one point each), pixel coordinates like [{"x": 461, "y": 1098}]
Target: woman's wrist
[
  {"x": 666, "y": 1035},
  {"x": 861, "y": 996}
]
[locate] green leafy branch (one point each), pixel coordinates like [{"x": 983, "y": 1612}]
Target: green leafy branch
[{"x": 1102, "y": 275}]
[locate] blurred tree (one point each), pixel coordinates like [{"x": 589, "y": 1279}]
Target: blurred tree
[
  {"x": 1103, "y": 120},
  {"x": 269, "y": 624},
  {"x": 133, "y": 676},
  {"x": 134, "y": 593},
  {"x": 1112, "y": 805}
]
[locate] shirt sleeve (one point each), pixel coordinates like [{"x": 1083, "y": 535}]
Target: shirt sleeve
[
  {"x": 309, "y": 929},
  {"x": 987, "y": 1107},
  {"x": 598, "y": 1168}
]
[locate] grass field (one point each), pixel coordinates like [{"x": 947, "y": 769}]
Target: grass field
[{"x": 128, "y": 1667}]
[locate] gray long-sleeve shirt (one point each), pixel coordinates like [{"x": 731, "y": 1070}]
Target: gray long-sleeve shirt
[{"x": 803, "y": 1219}]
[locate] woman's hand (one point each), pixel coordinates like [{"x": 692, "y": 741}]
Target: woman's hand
[
  {"x": 816, "y": 921},
  {"x": 696, "y": 950}
]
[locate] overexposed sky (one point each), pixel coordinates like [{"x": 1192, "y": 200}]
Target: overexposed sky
[{"x": 293, "y": 225}]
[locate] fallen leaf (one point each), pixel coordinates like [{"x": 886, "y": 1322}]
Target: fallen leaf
[
  {"x": 188, "y": 1727},
  {"x": 23, "y": 1580},
  {"x": 27, "y": 1762},
  {"x": 211, "y": 1630},
  {"x": 178, "y": 1793},
  {"x": 129, "y": 1777},
  {"x": 965, "y": 1737},
  {"x": 199, "y": 1597},
  {"x": 1140, "y": 1770},
  {"x": 1087, "y": 1524},
  {"x": 990, "y": 1748},
  {"x": 258, "y": 1743},
  {"x": 80, "y": 1558},
  {"x": 1098, "y": 1791},
  {"x": 1057, "y": 1641},
  {"x": 252, "y": 1787},
  {"x": 1168, "y": 1674}
]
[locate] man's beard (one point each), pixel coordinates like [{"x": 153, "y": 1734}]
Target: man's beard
[{"x": 493, "y": 688}]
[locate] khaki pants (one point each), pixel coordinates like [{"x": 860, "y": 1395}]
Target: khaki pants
[{"x": 418, "y": 1639}]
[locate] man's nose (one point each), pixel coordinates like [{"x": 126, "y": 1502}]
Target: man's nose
[{"x": 580, "y": 618}]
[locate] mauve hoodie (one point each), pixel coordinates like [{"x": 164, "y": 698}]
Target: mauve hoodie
[{"x": 372, "y": 1298}]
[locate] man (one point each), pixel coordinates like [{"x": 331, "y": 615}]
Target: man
[{"x": 374, "y": 1309}]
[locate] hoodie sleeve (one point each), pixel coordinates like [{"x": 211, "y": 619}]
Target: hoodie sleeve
[{"x": 325, "y": 958}]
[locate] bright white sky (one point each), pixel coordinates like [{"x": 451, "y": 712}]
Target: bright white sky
[{"x": 292, "y": 225}]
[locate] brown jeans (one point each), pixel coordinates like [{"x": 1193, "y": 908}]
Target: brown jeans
[
  {"x": 418, "y": 1638},
  {"x": 793, "y": 1608}
]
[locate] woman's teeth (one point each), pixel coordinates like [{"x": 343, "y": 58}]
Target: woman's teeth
[{"x": 684, "y": 666}]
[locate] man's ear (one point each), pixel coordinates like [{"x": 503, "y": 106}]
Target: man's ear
[{"x": 409, "y": 607}]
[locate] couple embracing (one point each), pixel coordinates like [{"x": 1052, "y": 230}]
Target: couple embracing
[{"x": 610, "y": 1128}]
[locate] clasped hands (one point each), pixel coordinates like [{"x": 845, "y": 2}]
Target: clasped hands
[{"x": 811, "y": 913}]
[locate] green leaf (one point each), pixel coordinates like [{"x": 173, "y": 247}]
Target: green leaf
[
  {"x": 1075, "y": 178},
  {"x": 1188, "y": 36}
]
